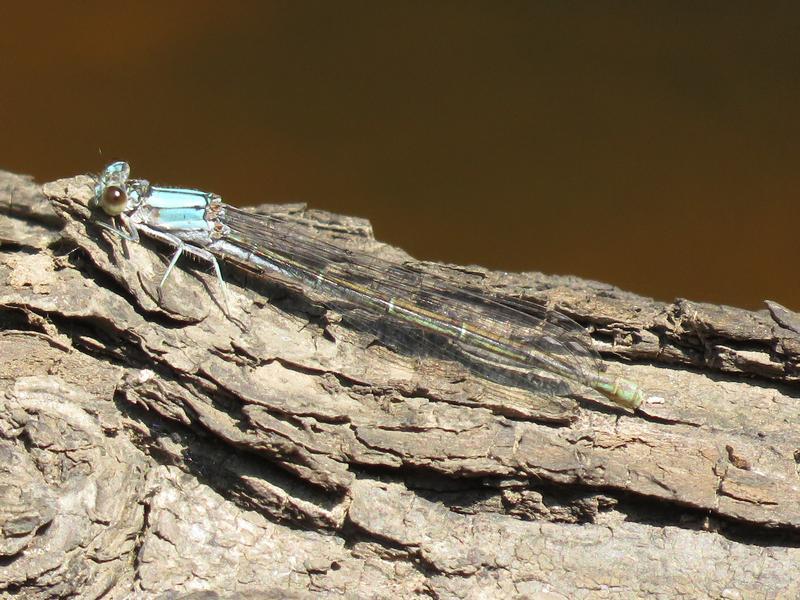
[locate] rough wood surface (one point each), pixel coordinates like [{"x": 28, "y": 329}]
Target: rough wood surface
[{"x": 152, "y": 447}]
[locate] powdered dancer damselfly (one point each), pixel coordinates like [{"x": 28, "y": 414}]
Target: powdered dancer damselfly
[{"x": 530, "y": 343}]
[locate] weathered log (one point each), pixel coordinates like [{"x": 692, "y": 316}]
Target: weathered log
[{"x": 150, "y": 444}]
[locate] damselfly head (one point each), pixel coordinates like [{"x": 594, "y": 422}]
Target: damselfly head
[
  {"x": 110, "y": 191},
  {"x": 113, "y": 201}
]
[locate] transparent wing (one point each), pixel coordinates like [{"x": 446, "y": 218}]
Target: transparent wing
[
  {"x": 399, "y": 336},
  {"x": 522, "y": 338}
]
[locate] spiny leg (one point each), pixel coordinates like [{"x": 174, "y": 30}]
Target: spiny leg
[
  {"x": 178, "y": 251},
  {"x": 180, "y": 248},
  {"x": 129, "y": 232},
  {"x": 203, "y": 254}
]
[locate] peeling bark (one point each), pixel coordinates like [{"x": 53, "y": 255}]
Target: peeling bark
[{"x": 152, "y": 446}]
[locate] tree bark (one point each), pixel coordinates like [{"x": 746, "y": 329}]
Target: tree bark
[{"x": 152, "y": 446}]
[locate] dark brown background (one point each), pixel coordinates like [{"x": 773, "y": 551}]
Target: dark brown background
[{"x": 650, "y": 146}]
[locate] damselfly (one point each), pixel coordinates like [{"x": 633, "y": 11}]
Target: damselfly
[{"x": 540, "y": 348}]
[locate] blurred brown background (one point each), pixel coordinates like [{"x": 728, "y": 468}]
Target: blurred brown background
[{"x": 650, "y": 145}]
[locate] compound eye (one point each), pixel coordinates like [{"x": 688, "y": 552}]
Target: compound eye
[{"x": 114, "y": 200}]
